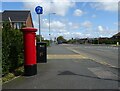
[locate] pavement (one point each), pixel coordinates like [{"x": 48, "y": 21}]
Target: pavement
[{"x": 73, "y": 67}]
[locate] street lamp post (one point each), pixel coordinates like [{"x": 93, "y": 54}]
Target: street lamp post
[{"x": 50, "y": 27}]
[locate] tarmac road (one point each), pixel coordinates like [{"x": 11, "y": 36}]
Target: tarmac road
[
  {"x": 104, "y": 53},
  {"x": 72, "y": 67}
]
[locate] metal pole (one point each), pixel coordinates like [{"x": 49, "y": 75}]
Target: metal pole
[
  {"x": 49, "y": 29},
  {"x": 39, "y": 27}
]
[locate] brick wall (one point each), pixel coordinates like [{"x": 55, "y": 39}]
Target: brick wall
[{"x": 29, "y": 22}]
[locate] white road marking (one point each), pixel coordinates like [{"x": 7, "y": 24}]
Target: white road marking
[
  {"x": 65, "y": 56},
  {"x": 107, "y": 47},
  {"x": 85, "y": 56},
  {"x": 101, "y": 73}
]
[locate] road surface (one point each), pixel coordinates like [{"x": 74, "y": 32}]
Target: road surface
[
  {"x": 73, "y": 67},
  {"x": 106, "y": 54}
]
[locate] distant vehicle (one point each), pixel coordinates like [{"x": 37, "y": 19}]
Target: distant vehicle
[{"x": 59, "y": 42}]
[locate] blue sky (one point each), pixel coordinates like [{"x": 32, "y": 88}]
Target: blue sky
[{"x": 73, "y": 19}]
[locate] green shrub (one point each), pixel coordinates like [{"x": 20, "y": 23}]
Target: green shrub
[
  {"x": 19, "y": 71},
  {"x": 47, "y": 41},
  {"x": 12, "y": 48}
]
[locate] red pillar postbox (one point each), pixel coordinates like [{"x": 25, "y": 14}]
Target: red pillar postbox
[{"x": 30, "y": 66}]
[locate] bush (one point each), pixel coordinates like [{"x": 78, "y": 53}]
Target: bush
[
  {"x": 8, "y": 77},
  {"x": 47, "y": 41},
  {"x": 12, "y": 48},
  {"x": 19, "y": 71}
]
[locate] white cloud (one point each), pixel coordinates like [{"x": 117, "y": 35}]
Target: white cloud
[
  {"x": 58, "y": 30},
  {"x": 70, "y": 30},
  {"x": 57, "y": 25},
  {"x": 61, "y": 0},
  {"x": 107, "y": 6},
  {"x": 56, "y": 6},
  {"x": 78, "y": 12},
  {"x": 81, "y": 35},
  {"x": 76, "y": 26},
  {"x": 73, "y": 26},
  {"x": 101, "y": 29},
  {"x": 76, "y": 34},
  {"x": 115, "y": 23},
  {"x": 86, "y": 24},
  {"x": 70, "y": 23},
  {"x": 64, "y": 28},
  {"x": 44, "y": 20},
  {"x": 53, "y": 24},
  {"x": 69, "y": 35},
  {"x": 105, "y": 31},
  {"x": 61, "y": 8}
]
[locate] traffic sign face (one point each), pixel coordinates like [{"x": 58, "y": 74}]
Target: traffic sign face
[{"x": 39, "y": 10}]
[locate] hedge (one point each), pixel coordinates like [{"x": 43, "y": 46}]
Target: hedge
[{"x": 12, "y": 48}]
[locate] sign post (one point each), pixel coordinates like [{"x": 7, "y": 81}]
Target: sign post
[{"x": 39, "y": 10}]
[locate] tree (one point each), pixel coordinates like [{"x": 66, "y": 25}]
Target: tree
[
  {"x": 72, "y": 41},
  {"x": 61, "y": 38},
  {"x": 38, "y": 38}
]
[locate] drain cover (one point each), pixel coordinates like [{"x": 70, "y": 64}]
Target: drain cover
[{"x": 67, "y": 73}]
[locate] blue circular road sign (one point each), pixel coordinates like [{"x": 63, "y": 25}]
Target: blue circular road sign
[{"x": 39, "y": 10}]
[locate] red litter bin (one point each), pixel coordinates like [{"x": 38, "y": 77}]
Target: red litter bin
[{"x": 30, "y": 66}]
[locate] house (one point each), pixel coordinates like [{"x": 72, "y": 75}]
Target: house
[
  {"x": 18, "y": 18},
  {"x": 82, "y": 41}
]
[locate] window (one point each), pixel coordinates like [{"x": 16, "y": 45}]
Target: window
[{"x": 17, "y": 25}]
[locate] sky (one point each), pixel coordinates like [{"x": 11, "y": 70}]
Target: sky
[{"x": 72, "y": 19}]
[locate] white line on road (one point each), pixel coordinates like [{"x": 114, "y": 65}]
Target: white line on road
[
  {"x": 100, "y": 62},
  {"x": 101, "y": 73},
  {"x": 65, "y": 56}
]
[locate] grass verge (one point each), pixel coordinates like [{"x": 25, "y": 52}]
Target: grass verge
[{"x": 19, "y": 71}]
